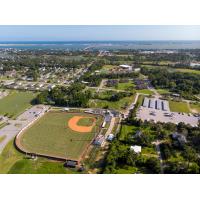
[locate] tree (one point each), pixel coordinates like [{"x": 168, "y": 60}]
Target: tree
[
  {"x": 189, "y": 154},
  {"x": 153, "y": 164}
]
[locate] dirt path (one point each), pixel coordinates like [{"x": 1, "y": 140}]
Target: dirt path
[{"x": 72, "y": 123}]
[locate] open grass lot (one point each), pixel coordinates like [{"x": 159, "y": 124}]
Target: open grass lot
[
  {"x": 195, "y": 107},
  {"x": 179, "y": 106},
  {"x": 16, "y": 102},
  {"x": 145, "y": 91},
  {"x": 51, "y": 136},
  {"x": 125, "y": 130},
  {"x": 163, "y": 91},
  {"x": 140, "y": 100},
  {"x": 189, "y": 71},
  {"x": 117, "y": 105},
  {"x": 125, "y": 86},
  {"x": 106, "y": 68},
  {"x": 14, "y": 162}
]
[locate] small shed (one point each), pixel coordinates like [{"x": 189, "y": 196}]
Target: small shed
[
  {"x": 137, "y": 149},
  {"x": 70, "y": 163},
  {"x": 110, "y": 137}
]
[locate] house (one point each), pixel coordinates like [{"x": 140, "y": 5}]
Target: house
[
  {"x": 195, "y": 64},
  {"x": 127, "y": 67},
  {"x": 175, "y": 95},
  {"x": 65, "y": 109},
  {"x": 110, "y": 137},
  {"x": 179, "y": 137},
  {"x": 136, "y": 69},
  {"x": 137, "y": 149}
]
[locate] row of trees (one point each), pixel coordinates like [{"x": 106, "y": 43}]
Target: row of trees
[
  {"x": 178, "y": 157},
  {"x": 120, "y": 156},
  {"x": 73, "y": 96},
  {"x": 183, "y": 83}
]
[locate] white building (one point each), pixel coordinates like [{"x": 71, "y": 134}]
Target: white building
[
  {"x": 136, "y": 69},
  {"x": 110, "y": 137},
  {"x": 128, "y": 67},
  {"x": 195, "y": 64},
  {"x": 136, "y": 148}
]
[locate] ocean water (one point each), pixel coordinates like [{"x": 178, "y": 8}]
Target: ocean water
[{"x": 101, "y": 45}]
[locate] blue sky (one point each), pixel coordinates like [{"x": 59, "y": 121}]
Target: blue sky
[{"x": 81, "y": 33}]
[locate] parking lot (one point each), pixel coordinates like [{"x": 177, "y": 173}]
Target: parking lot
[
  {"x": 13, "y": 127},
  {"x": 163, "y": 116}
]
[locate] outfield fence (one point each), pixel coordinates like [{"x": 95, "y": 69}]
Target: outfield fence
[{"x": 54, "y": 157}]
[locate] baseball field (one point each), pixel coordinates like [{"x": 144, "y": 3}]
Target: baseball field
[{"x": 60, "y": 134}]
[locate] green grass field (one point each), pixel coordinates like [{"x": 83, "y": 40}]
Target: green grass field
[
  {"x": 163, "y": 91},
  {"x": 195, "y": 107},
  {"x": 117, "y": 105},
  {"x": 14, "y": 162},
  {"x": 189, "y": 71},
  {"x": 140, "y": 100},
  {"x": 106, "y": 68},
  {"x": 125, "y": 86},
  {"x": 15, "y": 103},
  {"x": 179, "y": 107},
  {"x": 145, "y": 91},
  {"x": 51, "y": 136},
  {"x": 125, "y": 130}
]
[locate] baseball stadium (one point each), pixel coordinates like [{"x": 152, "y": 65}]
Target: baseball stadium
[{"x": 60, "y": 135}]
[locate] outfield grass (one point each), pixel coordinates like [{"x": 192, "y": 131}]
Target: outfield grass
[
  {"x": 117, "y": 105},
  {"x": 145, "y": 91},
  {"x": 14, "y": 162},
  {"x": 51, "y": 136},
  {"x": 39, "y": 166},
  {"x": 179, "y": 107},
  {"x": 15, "y": 103}
]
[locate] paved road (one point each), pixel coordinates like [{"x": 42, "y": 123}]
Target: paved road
[{"x": 22, "y": 121}]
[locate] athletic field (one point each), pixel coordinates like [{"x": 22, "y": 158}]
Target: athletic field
[
  {"x": 16, "y": 102},
  {"x": 60, "y": 134}
]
